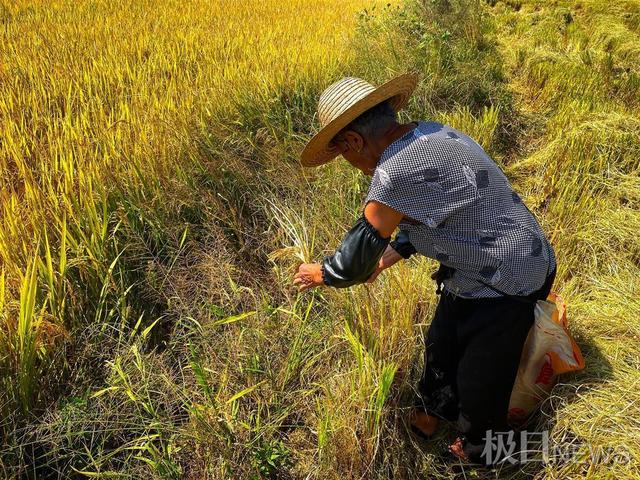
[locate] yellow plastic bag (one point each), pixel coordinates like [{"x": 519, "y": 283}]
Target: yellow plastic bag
[{"x": 548, "y": 352}]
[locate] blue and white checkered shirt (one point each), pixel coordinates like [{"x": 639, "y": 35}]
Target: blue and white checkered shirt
[{"x": 468, "y": 215}]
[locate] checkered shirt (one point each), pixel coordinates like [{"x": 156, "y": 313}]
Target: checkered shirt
[{"x": 468, "y": 215}]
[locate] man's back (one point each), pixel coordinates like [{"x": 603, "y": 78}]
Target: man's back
[{"x": 470, "y": 217}]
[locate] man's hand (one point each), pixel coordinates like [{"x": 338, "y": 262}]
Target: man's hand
[{"x": 309, "y": 276}]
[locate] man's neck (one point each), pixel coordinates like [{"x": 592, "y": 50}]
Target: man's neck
[{"x": 395, "y": 131}]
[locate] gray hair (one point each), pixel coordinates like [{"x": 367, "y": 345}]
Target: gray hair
[{"x": 373, "y": 122}]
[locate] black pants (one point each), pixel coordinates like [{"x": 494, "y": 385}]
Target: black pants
[{"x": 472, "y": 354}]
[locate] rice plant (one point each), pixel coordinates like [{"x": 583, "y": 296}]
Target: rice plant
[{"x": 152, "y": 210}]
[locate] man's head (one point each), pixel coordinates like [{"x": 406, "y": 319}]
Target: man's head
[
  {"x": 355, "y": 117},
  {"x": 362, "y": 141}
]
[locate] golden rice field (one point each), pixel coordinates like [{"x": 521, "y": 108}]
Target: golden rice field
[
  {"x": 153, "y": 211},
  {"x": 99, "y": 99}
]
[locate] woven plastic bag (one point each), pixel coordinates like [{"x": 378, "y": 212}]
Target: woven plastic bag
[{"x": 548, "y": 352}]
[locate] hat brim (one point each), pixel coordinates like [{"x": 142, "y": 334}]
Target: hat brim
[{"x": 399, "y": 90}]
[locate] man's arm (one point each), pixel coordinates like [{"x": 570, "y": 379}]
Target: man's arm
[
  {"x": 398, "y": 249},
  {"x": 382, "y": 217},
  {"x": 358, "y": 255}
]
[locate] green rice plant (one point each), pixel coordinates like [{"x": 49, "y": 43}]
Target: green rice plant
[
  {"x": 23, "y": 346},
  {"x": 379, "y": 397}
]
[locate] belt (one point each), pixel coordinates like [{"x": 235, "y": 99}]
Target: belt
[{"x": 445, "y": 272}]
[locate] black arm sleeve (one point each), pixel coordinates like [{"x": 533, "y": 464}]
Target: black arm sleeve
[
  {"x": 357, "y": 256},
  {"x": 402, "y": 245}
]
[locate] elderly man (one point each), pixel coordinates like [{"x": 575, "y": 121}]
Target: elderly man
[{"x": 450, "y": 202}]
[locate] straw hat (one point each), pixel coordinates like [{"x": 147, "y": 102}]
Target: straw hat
[{"x": 346, "y": 100}]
